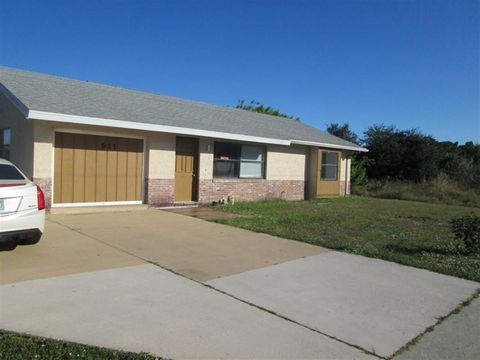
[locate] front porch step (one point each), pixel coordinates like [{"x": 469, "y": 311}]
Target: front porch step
[{"x": 180, "y": 205}]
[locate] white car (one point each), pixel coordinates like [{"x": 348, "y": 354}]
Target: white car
[{"x": 22, "y": 208}]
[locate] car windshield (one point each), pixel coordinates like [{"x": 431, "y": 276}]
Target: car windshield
[{"x": 9, "y": 172}]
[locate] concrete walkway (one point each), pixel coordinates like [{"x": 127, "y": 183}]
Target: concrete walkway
[
  {"x": 456, "y": 338},
  {"x": 204, "y": 213},
  {"x": 376, "y": 305},
  {"x": 145, "y": 308}
]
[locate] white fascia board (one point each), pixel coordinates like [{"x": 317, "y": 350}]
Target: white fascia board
[
  {"x": 85, "y": 120},
  {"x": 329, "y": 146}
]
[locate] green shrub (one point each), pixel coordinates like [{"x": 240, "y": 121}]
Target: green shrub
[{"x": 467, "y": 229}]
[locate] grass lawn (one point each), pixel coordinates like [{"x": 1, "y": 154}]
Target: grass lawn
[
  {"x": 20, "y": 347},
  {"x": 411, "y": 233}
]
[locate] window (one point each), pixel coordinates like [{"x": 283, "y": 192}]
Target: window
[
  {"x": 329, "y": 166},
  {"x": 8, "y": 172},
  {"x": 5, "y": 139},
  {"x": 238, "y": 161}
]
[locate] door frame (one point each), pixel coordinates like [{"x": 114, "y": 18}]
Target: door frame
[
  {"x": 318, "y": 179},
  {"x": 196, "y": 180},
  {"x": 97, "y": 133}
]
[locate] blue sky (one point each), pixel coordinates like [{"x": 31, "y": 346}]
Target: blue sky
[{"x": 406, "y": 63}]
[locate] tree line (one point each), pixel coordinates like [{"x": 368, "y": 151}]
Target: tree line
[
  {"x": 409, "y": 155},
  {"x": 400, "y": 155}
]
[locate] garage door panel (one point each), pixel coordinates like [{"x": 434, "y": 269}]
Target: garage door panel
[
  {"x": 122, "y": 167},
  {"x": 79, "y": 168},
  {"x": 111, "y": 170},
  {"x": 132, "y": 170},
  {"x": 90, "y": 168},
  {"x": 57, "y": 175},
  {"x": 101, "y": 171},
  {"x": 139, "y": 169},
  {"x": 66, "y": 190}
]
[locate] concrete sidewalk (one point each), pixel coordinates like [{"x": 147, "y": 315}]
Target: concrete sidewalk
[
  {"x": 145, "y": 308},
  {"x": 456, "y": 338},
  {"x": 374, "y": 304}
]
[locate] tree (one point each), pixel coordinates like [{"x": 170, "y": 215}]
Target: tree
[
  {"x": 343, "y": 131},
  {"x": 401, "y": 155},
  {"x": 258, "y": 107}
]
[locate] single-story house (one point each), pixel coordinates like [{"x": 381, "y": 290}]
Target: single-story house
[{"x": 86, "y": 143}]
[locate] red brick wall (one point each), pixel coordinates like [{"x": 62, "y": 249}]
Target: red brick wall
[
  {"x": 250, "y": 189},
  {"x": 159, "y": 191},
  {"x": 46, "y": 186}
]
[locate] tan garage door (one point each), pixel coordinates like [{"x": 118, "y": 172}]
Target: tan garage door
[{"x": 90, "y": 168}]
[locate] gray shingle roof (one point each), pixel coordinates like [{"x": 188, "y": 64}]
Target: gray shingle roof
[{"x": 40, "y": 92}]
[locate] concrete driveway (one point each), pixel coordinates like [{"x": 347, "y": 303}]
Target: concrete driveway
[
  {"x": 181, "y": 287},
  {"x": 195, "y": 248}
]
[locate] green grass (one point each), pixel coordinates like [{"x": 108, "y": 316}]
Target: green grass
[
  {"x": 441, "y": 190},
  {"x": 21, "y": 347},
  {"x": 411, "y": 233}
]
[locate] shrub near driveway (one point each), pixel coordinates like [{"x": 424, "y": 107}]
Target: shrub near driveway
[
  {"x": 411, "y": 233},
  {"x": 467, "y": 229}
]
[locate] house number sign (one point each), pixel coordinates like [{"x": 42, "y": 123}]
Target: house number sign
[{"x": 109, "y": 146}]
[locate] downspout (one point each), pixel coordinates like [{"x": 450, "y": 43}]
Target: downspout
[{"x": 346, "y": 174}]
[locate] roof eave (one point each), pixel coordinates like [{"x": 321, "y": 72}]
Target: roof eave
[
  {"x": 329, "y": 146},
  {"x": 85, "y": 120}
]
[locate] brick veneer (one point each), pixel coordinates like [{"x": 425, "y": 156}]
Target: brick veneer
[
  {"x": 342, "y": 188},
  {"x": 46, "y": 186},
  {"x": 159, "y": 191},
  {"x": 250, "y": 189}
]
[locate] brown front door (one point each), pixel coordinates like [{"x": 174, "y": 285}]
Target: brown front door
[
  {"x": 91, "y": 168},
  {"x": 186, "y": 161}
]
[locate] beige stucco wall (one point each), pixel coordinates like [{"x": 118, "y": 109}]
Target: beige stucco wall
[
  {"x": 161, "y": 153},
  {"x": 21, "y": 147},
  {"x": 43, "y": 150},
  {"x": 205, "y": 168},
  {"x": 286, "y": 162}
]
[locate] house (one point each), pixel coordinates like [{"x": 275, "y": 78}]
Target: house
[{"x": 86, "y": 143}]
